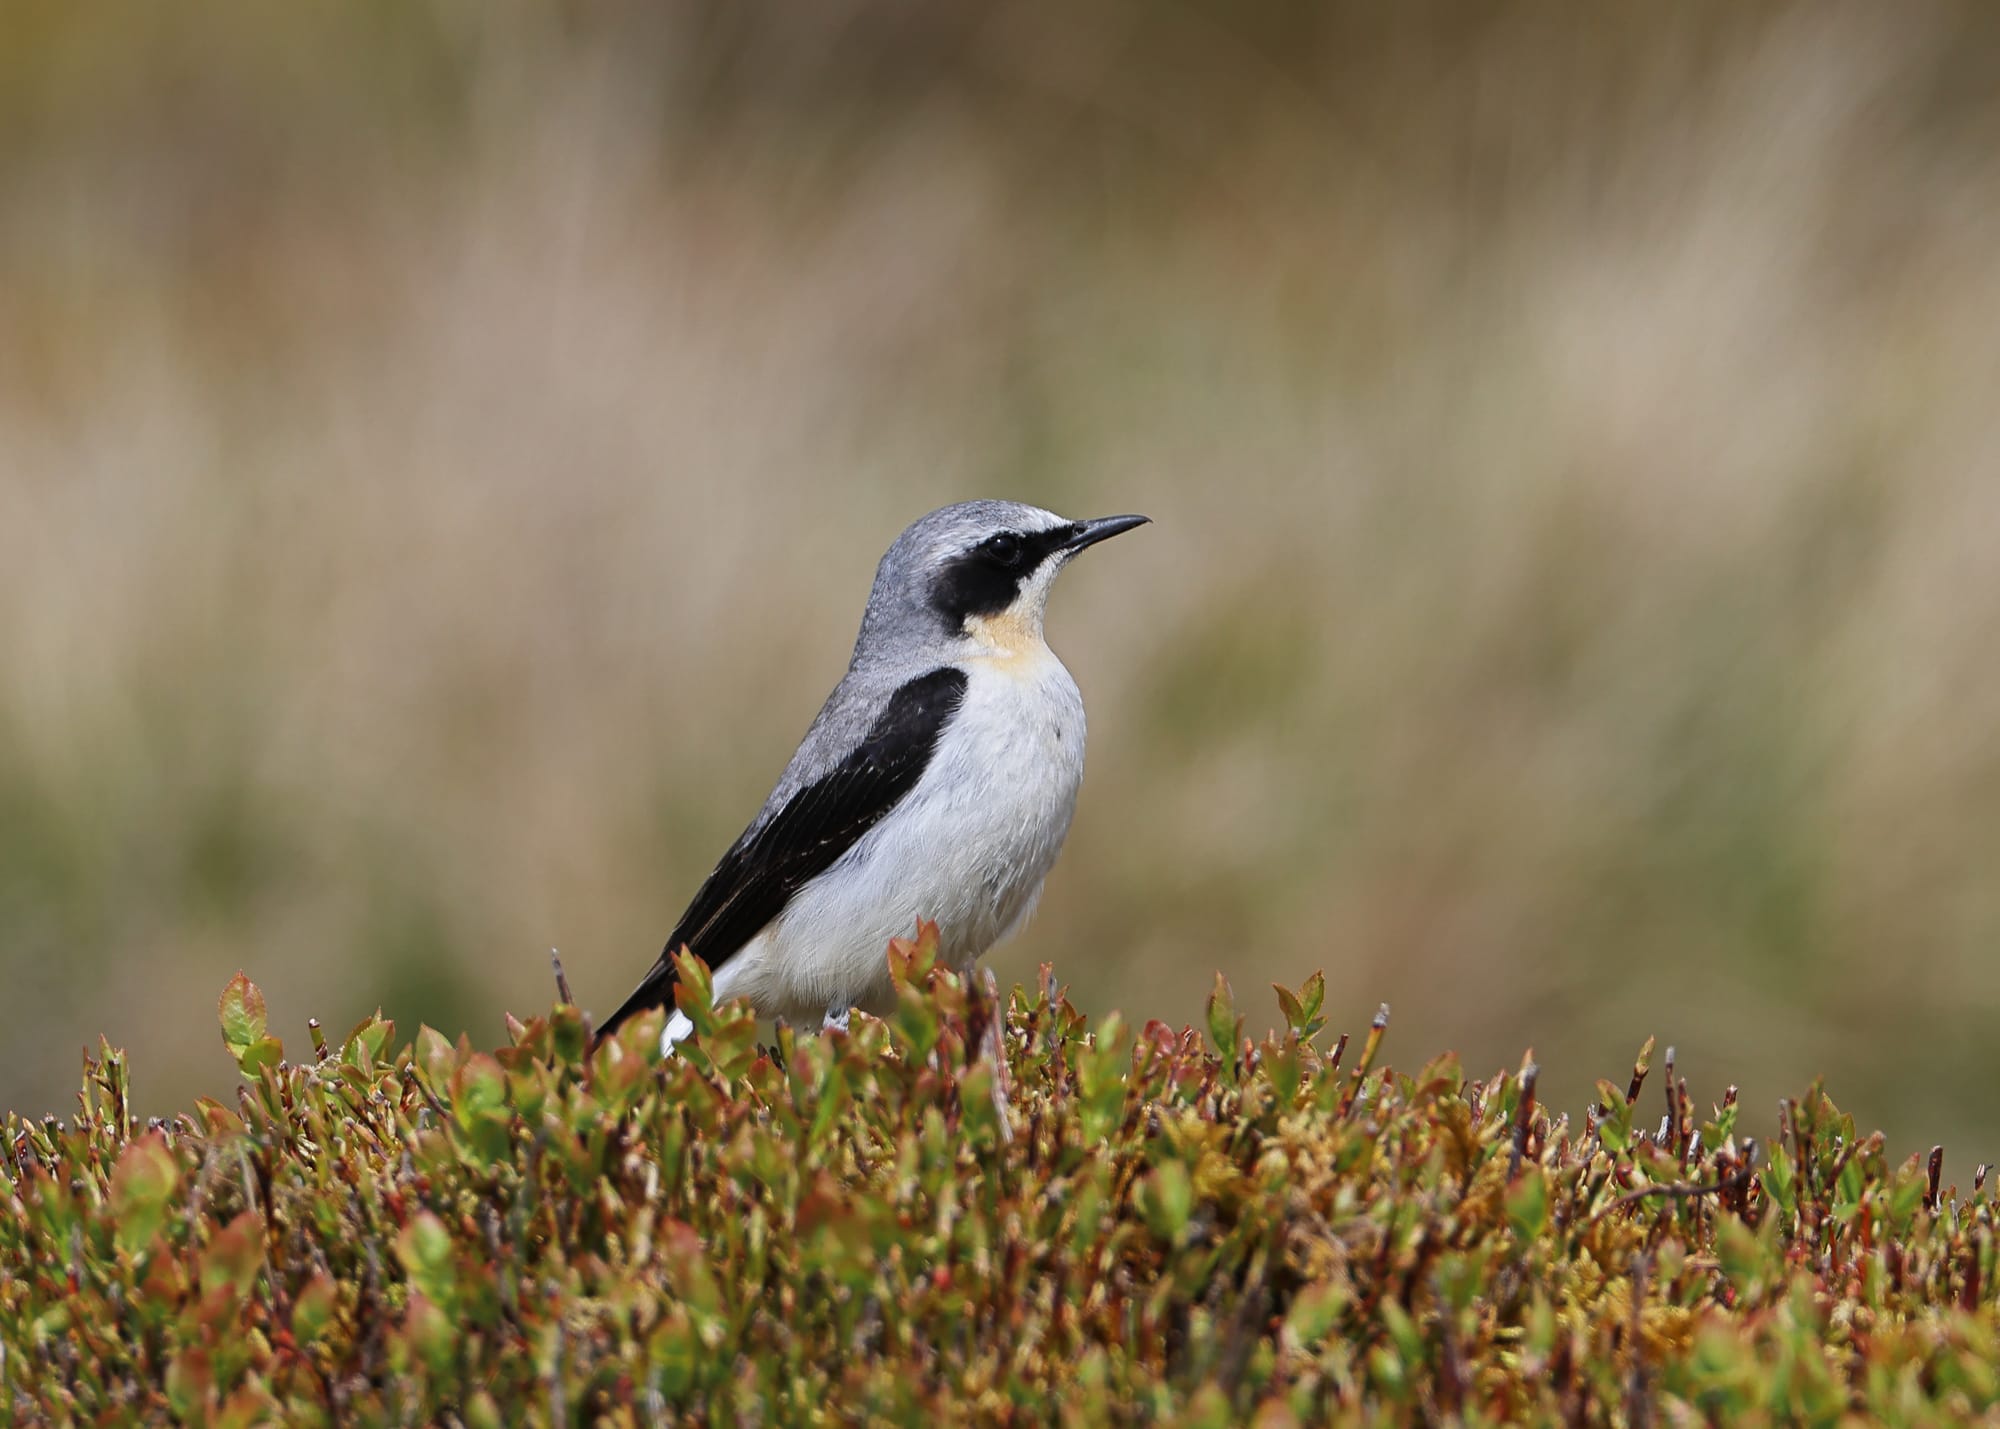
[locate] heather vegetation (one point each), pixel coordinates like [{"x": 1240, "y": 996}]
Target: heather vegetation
[{"x": 973, "y": 1211}]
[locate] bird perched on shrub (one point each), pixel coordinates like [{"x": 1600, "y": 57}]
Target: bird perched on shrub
[{"x": 937, "y": 782}]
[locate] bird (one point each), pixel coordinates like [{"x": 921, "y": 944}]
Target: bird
[{"x": 937, "y": 782}]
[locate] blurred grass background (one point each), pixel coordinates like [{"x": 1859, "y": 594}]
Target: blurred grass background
[{"x": 444, "y": 448}]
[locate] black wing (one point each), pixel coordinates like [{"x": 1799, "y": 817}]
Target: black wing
[{"x": 766, "y": 866}]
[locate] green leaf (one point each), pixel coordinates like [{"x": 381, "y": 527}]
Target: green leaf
[
  {"x": 1390, "y": 1377},
  {"x": 368, "y": 1043},
  {"x": 190, "y": 1381},
  {"x": 1740, "y": 1254},
  {"x": 241, "y": 1008},
  {"x": 482, "y": 1411},
  {"x": 1539, "y": 1328},
  {"x": 694, "y": 990},
  {"x": 234, "y": 1255},
  {"x": 425, "y": 1251},
  {"x": 1224, "y": 1026},
  {"x": 911, "y": 960},
  {"x": 1722, "y": 1128},
  {"x": 264, "y": 1052},
  {"x": 978, "y": 1116},
  {"x": 429, "y": 1331},
  {"x": 1166, "y": 1200},
  {"x": 1208, "y": 1408},
  {"x": 479, "y": 1105},
  {"x": 1528, "y": 1204},
  {"x": 1100, "y": 1074},
  {"x": 917, "y": 1019},
  {"x": 1312, "y": 1000},
  {"x": 250, "y": 1407},
  {"x": 478, "y": 1089},
  {"x": 1614, "y": 1118},
  {"x": 1404, "y": 1334},
  {"x": 313, "y": 1309},
  {"x": 675, "y": 1352},
  {"x": 686, "y": 1263},
  {"x": 832, "y": 1100},
  {"x": 1286, "y": 1071},
  {"x": 436, "y": 1057},
  {"x": 1313, "y": 1315},
  {"x": 1906, "y": 1197},
  {"x": 567, "y": 1038},
  {"x": 142, "y": 1184},
  {"x": 1780, "y": 1181},
  {"x": 1295, "y": 1014},
  {"x": 1849, "y": 1190}
]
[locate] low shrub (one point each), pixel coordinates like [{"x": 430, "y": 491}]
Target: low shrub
[{"x": 1124, "y": 1225}]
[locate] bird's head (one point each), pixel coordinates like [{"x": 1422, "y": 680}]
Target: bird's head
[{"x": 976, "y": 576}]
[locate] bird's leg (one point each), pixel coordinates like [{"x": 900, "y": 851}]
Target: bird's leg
[{"x": 836, "y": 1017}]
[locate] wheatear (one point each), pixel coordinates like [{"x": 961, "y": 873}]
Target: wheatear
[{"x": 937, "y": 782}]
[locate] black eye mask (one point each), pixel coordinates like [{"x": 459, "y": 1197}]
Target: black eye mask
[{"x": 986, "y": 579}]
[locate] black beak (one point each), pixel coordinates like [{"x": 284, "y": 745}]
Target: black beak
[{"x": 1089, "y": 533}]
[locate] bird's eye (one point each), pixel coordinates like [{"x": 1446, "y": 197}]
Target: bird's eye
[{"x": 1005, "y": 549}]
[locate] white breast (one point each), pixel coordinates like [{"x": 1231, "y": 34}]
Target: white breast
[{"x": 968, "y": 848}]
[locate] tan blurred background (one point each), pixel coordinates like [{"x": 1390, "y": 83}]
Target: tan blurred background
[{"x": 444, "y": 449}]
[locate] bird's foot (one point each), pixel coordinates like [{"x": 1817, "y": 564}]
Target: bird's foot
[{"x": 836, "y": 1018}]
